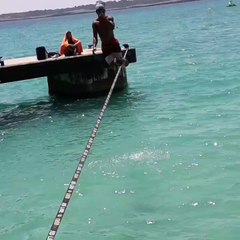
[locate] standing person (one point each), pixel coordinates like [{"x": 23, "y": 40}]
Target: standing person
[
  {"x": 70, "y": 45},
  {"x": 104, "y": 26}
]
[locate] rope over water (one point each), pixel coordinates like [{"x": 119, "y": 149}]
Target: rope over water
[{"x": 63, "y": 206}]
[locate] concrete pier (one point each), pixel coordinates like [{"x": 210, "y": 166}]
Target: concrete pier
[{"x": 78, "y": 76}]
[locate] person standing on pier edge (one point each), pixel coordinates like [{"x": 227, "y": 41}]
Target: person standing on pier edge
[
  {"x": 70, "y": 45},
  {"x": 104, "y": 26}
]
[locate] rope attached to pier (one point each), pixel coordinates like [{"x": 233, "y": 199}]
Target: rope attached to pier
[{"x": 59, "y": 216}]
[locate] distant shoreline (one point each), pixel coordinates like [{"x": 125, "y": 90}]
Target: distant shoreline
[{"x": 72, "y": 12}]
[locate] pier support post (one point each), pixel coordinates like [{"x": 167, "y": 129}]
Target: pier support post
[{"x": 90, "y": 82}]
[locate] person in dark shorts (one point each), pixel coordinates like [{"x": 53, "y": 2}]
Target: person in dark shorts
[{"x": 104, "y": 27}]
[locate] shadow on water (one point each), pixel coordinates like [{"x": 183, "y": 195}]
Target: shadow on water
[{"x": 14, "y": 114}]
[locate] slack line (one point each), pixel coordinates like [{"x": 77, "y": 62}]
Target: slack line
[{"x": 64, "y": 204}]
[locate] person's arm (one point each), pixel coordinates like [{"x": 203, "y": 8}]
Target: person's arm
[
  {"x": 77, "y": 45},
  {"x": 75, "y": 40},
  {"x": 95, "y": 36}
]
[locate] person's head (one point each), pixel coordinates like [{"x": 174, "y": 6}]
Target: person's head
[
  {"x": 100, "y": 8},
  {"x": 68, "y": 35}
]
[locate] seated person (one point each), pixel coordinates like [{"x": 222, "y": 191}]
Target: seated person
[{"x": 70, "y": 45}]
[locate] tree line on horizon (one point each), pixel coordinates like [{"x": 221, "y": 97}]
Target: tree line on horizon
[{"x": 83, "y": 8}]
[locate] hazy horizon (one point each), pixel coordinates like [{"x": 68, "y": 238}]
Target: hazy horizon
[{"x": 9, "y": 6}]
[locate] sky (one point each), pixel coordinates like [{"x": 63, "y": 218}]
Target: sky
[{"x": 12, "y": 6}]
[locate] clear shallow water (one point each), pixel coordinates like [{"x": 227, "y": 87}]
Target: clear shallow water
[{"x": 165, "y": 162}]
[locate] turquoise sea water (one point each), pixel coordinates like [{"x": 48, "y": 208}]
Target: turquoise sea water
[{"x": 165, "y": 163}]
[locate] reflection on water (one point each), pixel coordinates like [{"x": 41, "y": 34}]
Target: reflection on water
[{"x": 12, "y": 114}]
